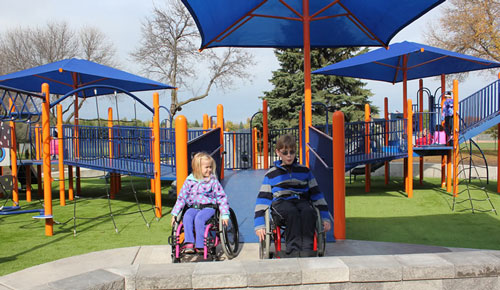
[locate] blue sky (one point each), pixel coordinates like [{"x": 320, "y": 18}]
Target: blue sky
[{"x": 121, "y": 22}]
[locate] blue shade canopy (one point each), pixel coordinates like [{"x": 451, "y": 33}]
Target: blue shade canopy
[
  {"x": 65, "y": 75},
  {"x": 278, "y": 23},
  {"x": 422, "y": 61}
]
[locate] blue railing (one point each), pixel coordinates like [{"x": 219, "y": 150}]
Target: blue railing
[
  {"x": 238, "y": 148},
  {"x": 387, "y": 141},
  {"x": 480, "y": 106}
]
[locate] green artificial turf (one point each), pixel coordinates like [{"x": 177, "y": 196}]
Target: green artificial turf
[
  {"x": 23, "y": 240},
  {"x": 385, "y": 214}
]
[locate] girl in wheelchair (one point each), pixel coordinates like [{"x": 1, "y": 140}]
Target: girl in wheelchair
[
  {"x": 292, "y": 192},
  {"x": 201, "y": 194}
]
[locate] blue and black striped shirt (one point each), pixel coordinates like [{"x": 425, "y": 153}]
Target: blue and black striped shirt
[{"x": 294, "y": 182}]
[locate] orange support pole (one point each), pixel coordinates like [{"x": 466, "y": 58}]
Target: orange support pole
[
  {"x": 301, "y": 141},
  {"x": 254, "y": 147},
  {"x": 386, "y": 139},
  {"x": 367, "y": 148},
  {"x": 28, "y": 183},
  {"x": 181, "y": 155},
  {"x": 37, "y": 142},
  {"x": 455, "y": 138},
  {"x": 306, "y": 19},
  {"x": 47, "y": 174},
  {"x": 62, "y": 190},
  {"x": 265, "y": 135},
  {"x": 234, "y": 149},
  {"x": 409, "y": 181},
  {"x": 206, "y": 122},
  {"x": 443, "y": 157},
  {"x": 156, "y": 148},
  {"x": 420, "y": 125},
  {"x": 220, "y": 124},
  {"x": 110, "y": 145},
  {"x": 338, "y": 140},
  {"x": 13, "y": 158}
]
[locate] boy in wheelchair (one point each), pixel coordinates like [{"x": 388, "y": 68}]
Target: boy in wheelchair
[
  {"x": 200, "y": 198},
  {"x": 291, "y": 191}
]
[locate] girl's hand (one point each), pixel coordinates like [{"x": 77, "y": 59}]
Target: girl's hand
[
  {"x": 261, "y": 233},
  {"x": 326, "y": 226},
  {"x": 225, "y": 222},
  {"x": 172, "y": 221}
]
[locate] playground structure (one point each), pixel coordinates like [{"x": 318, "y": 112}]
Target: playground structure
[{"x": 135, "y": 151}]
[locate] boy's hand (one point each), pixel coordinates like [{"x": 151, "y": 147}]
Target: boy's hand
[
  {"x": 326, "y": 226},
  {"x": 225, "y": 222},
  {"x": 172, "y": 221},
  {"x": 261, "y": 233}
]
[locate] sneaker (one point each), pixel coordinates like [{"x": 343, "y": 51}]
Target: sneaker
[
  {"x": 189, "y": 249},
  {"x": 200, "y": 251}
]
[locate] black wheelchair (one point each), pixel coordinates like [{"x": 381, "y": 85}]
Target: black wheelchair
[
  {"x": 274, "y": 234},
  {"x": 215, "y": 233}
]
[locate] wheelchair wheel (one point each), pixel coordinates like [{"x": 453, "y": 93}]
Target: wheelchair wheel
[
  {"x": 265, "y": 245},
  {"x": 175, "y": 243},
  {"x": 320, "y": 235},
  {"x": 230, "y": 235}
]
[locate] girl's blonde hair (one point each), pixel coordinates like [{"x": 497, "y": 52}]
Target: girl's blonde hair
[{"x": 196, "y": 164}]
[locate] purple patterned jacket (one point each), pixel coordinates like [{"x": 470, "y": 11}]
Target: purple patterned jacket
[{"x": 199, "y": 192}]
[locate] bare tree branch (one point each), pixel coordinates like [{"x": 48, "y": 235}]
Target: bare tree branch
[{"x": 168, "y": 52}]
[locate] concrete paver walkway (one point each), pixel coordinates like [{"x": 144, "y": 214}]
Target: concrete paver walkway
[{"x": 128, "y": 262}]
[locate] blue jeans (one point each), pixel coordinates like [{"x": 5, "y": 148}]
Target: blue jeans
[{"x": 198, "y": 218}]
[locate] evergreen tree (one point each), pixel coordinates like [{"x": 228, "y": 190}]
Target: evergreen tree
[{"x": 338, "y": 93}]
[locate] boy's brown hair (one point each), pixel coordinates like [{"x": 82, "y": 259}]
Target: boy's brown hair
[
  {"x": 196, "y": 164},
  {"x": 286, "y": 141}
]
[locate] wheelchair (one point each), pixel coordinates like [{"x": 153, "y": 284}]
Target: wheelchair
[
  {"x": 274, "y": 233},
  {"x": 215, "y": 233}
]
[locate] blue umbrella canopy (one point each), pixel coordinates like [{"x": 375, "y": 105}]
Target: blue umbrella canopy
[
  {"x": 279, "y": 23},
  {"x": 66, "y": 75},
  {"x": 422, "y": 61}
]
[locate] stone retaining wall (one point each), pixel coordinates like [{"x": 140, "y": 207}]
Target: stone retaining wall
[{"x": 454, "y": 270}]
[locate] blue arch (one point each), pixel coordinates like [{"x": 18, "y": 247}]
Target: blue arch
[{"x": 115, "y": 89}]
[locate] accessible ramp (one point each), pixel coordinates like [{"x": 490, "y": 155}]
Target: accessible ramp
[{"x": 242, "y": 187}]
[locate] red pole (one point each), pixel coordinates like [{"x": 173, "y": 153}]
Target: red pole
[{"x": 338, "y": 140}]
